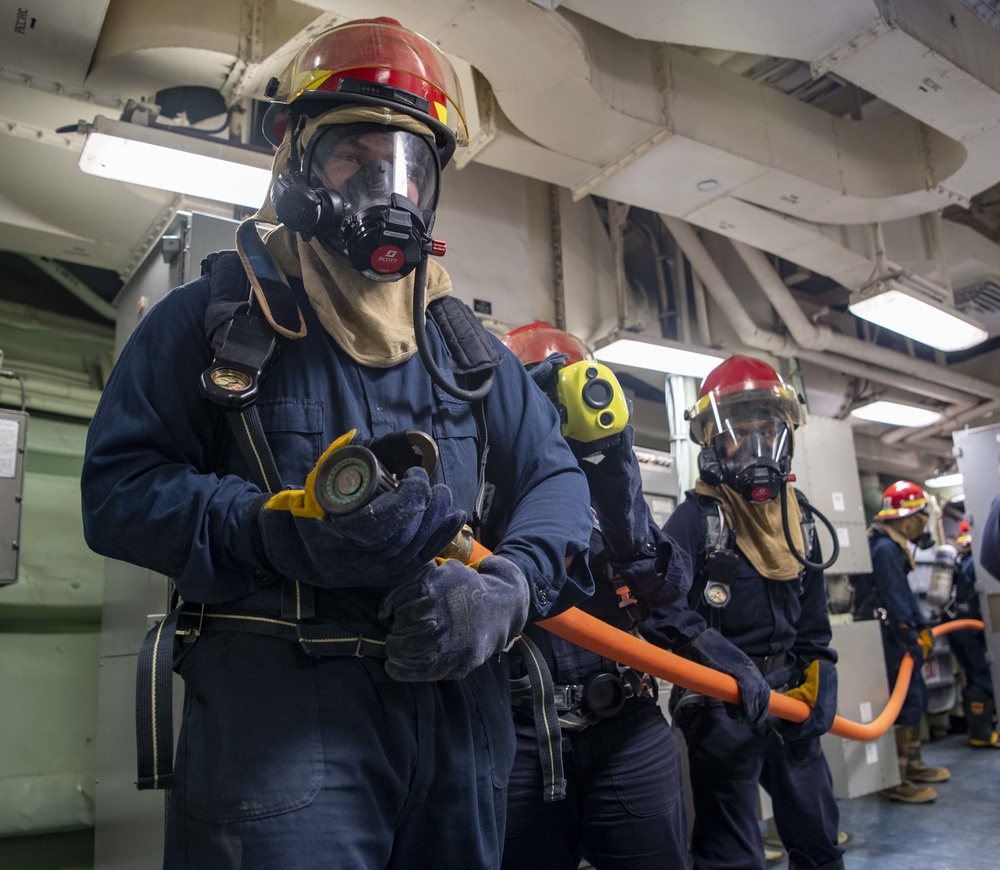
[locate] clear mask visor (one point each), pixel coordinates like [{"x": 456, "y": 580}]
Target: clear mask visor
[
  {"x": 367, "y": 163},
  {"x": 744, "y": 442}
]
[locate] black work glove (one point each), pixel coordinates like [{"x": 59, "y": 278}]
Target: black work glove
[
  {"x": 450, "y": 618},
  {"x": 712, "y": 650},
  {"x": 386, "y": 542},
  {"x": 616, "y": 496},
  {"x": 818, "y": 689},
  {"x": 546, "y": 373},
  {"x": 918, "y": 646}
]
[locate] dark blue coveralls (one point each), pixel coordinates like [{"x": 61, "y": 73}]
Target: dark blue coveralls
[
  {"x": 989, "y": 542},
  {"x": 286, "y": 760},
  {"x": 782, "y": 626},
  {"x": 624, "y": 805},
  {"x": 887, "y": 588},
  {"x": 969, "y": 646}
]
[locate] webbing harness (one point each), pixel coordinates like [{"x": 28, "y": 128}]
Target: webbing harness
[
  {"x": 718, "y": 539},
  {"x": 245, "y": 346}
]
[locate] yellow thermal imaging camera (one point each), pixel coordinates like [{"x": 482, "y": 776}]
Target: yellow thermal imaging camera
[{"x": 592, "y": 406}]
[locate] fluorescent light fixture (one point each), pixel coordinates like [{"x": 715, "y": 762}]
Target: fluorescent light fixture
[
  {"x": 911, "y": 306},
  {"x": 944, "y": 481},
  {"x": 669, "y": 359},
  {"x": 155, "y": 157},
  {"x": 896, "y": 414}
]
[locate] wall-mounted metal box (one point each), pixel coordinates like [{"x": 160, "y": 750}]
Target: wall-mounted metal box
[
  {"x": 978, "y": 455},
  {"x": 660, "y": 483},
  {"x": 12, "y": 441},
  {"x": 826, "y": 470},
  {"x": 860, "y": 768}
]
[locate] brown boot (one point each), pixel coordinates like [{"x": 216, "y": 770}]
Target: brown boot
[
  {"x": 907, "y": 792},
  {"x": 916, "y": 769}
]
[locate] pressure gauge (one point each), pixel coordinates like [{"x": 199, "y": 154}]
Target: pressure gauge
[{"x": 717, "y": 594}]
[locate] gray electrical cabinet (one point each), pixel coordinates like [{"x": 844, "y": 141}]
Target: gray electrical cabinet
[
  {"x": 12, "y": 439},
  {"x": 860, "y": 768},
  {"x": 128, "y": 824},
  {"x": 826, "y": 470},
  {"x": 660, "y": 482},
  {"x": 978, "y": 455}
]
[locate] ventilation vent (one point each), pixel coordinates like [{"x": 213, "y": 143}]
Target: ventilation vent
[
  {"x": 987, "y": 10},
  {"x": 982, "y": 298}
]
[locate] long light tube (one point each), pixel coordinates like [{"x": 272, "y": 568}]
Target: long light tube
[
  {"x": 157, "y": 158},
  {"x": 945, "y": 481},
  {"x": 900, "y": 309},
  {"x": 896, "y": 414},
  {"x": 657, "y": 357}
]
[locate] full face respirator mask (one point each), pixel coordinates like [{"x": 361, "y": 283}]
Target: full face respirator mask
[
  {"x": 367, "y": 193},
  {"x": 753, "y": 459}
]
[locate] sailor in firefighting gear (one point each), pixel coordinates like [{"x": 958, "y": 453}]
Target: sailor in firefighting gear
[
  {"x": 969, "y": 647},
  {"x": 885, "y": 594},
  {"x": 347, "y": 702},
  {"x": 758, "y": 583},
  {"x": 624, "y": 800}
]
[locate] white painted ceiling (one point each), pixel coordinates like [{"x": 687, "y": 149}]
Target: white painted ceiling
[{"x": 786, "y": 126}]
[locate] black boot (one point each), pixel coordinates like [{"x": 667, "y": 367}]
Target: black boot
[{"x": 979, "y": 716}]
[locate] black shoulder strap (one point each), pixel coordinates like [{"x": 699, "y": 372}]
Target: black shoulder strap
[
  {"x": 230, "y": 289},
  {"x": 472, "y": 353},
  {"x": 467, "y": 340},
  {"x": 245, "y": 343},
  {"x": 716, "y": 533}
]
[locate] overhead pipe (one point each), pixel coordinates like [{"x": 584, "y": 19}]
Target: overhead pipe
[
  {"x": 809, "y": 334},
  {"x": 813, "y": 335},
  {"x": 718, "y": 287},
  {"x": 617, "y": 218},
  {"x": 954, "y": 421},
  {"x": 701, "y": 310},
  {"x": 74, "y": 285},
  {"x": 865, "y": 371},
  {"x": 753, "y": 336}
]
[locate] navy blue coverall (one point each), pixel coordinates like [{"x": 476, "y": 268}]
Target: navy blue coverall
[
  {"x": 286, "y": 760},
  {"x": 887, "y": 588},
  {"x": 969, "y": 646},
  {"x": 782, "y": 626},
  {"x": 989, "y": 545},
  {"x": 624, "y": 806}
]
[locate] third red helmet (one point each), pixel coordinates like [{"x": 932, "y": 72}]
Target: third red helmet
[
  {"x": 533, "y": 342},
  {"x": 901, "y": 499}
]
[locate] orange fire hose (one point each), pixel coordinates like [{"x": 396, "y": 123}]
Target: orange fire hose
[{"x": 587, "y": 631}]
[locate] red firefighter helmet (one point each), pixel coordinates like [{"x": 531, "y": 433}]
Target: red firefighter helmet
[
  {"x": 964, "y": 538},
  {"x": 901, "y": 499},
  {"x": 742, "y": 389},
  {"x": 533, "y": 342},
  {"x": 375, "y": 62}
]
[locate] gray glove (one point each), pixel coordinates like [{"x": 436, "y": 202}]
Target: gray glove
[{"x": 449, "y": 619}]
